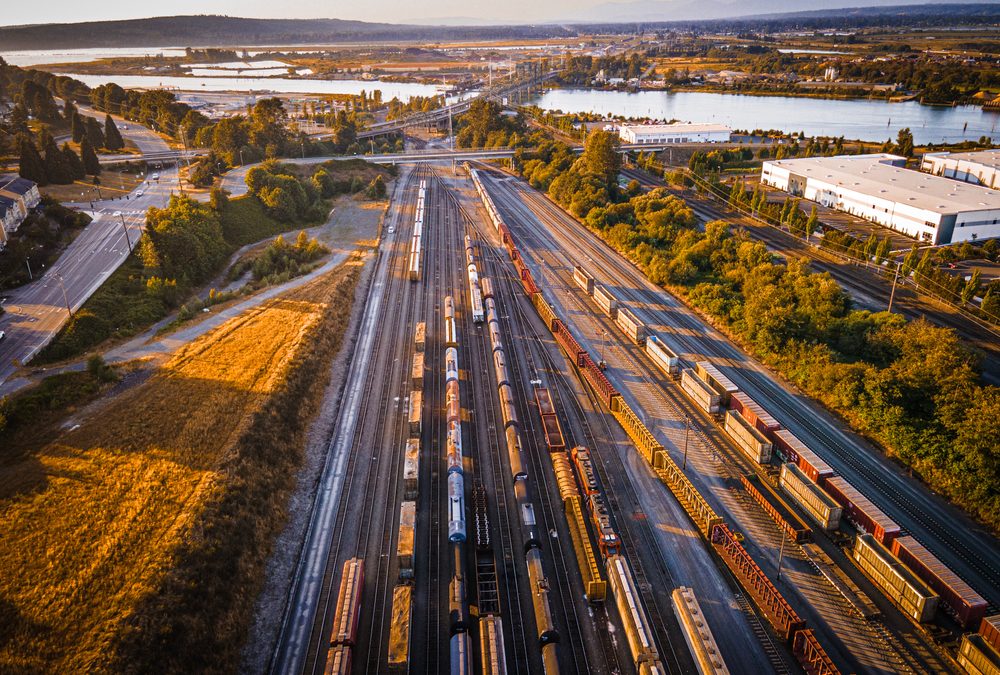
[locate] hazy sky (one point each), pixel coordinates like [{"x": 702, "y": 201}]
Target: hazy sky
[{"x": 392, "y": 11}]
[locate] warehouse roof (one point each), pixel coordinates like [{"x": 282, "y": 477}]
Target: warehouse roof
[
  {"x": 874, "y": 175},
  {"x": 990, "y": 158},
  {"x": 675, "y": 128}
]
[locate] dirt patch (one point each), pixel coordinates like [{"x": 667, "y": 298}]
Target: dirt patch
[{"x": 145, "y": 546}]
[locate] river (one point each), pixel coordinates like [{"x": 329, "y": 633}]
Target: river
[{"x": 868, "y": 120}]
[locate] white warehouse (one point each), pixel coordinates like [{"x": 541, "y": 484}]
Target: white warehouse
[
  {"x": 980, "y": 168},
  {"x": 658, "y": 134},
  {"x": 877, "y": 188}
]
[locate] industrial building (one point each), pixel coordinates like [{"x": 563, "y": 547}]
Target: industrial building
[
  {"x": 878, "y": 188},
  {"x": 658, "y": 134},
  {"x": 979, "y": 168}
]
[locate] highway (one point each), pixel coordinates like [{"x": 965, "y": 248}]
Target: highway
[
  {"x": 714, "y": 465},
  {"x": 36, "y": 311}
]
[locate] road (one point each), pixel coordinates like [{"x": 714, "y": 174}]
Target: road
[
  {"x": 36, "y": 311},
  {"x": 959, "y": 542}
]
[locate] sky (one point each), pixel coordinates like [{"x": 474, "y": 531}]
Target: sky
[{"x": 404, "y": 11}]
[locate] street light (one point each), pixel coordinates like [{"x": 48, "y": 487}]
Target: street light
[
  {"x": 125, "y": 227},
  {"x": 892, "y": 293}
]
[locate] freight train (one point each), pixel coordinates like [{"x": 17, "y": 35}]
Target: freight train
[
  {"x": 344, "y": 631},
  {"x": 416, "y": 240}
]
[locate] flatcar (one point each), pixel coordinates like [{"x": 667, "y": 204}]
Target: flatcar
[{"x": 345, "y": 619}]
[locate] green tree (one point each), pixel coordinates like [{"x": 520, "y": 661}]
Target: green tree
[
  {"x": 904, "y": 142},
  {"x": 94, "y": 133},
  {"x": 112, "y": 137},
  {"x": 971, "y": 287},
  {"x": 77, "y": 127},
  {"x": 57, "y": 169},
  {"x": 91, "y": 164},
  {"x": 376, "y": 189},
  {"x": 30, "y": 165},
  {"x": 74, "y": 162},
  {"x": 910, "y": 260},
  {"x": 601, "y": 157},
  {"x": 883, "y": 250},
  {"x": 812, "y": 222}
]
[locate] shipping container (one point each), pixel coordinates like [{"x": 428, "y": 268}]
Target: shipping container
[
  {"x": 896, "y": 580},
  {"x": 411, "y": 468},
  {"x": 697, "y": 633},
  {"x": 631, "y": 326},
  {"x": 751, "y": 441},
  {"x": 957, "y": 597},
  {"x": 399, "y": 630},
  {"x": 407, "y": 536},
  {"x": 663, "y": 356},
  {"x": 583, "y": 279},
  {"x": 605, "y": 300},
  {"x": 703, "y": 395},
  {"x": 714, "y": 378},
  {"x": 791, "y": 449},
  {"x": 977, "y": 657},
  {"x": 861, "y": 513},
  {"x": 753, "y": 413},
  {"x": 990, "y": 630},
  {"x": 417, "y": 371},
  {"x": 818, "y": 504},
  {"x": 420, "y": 336},
  {"x": 416, "y": 412}
]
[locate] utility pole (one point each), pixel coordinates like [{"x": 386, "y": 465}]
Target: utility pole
[
  {"x": 451, "y": 132},
  {"x": 65, "y": 297},
  {"x": 125, "y": 227},
  {"x": 28, "y": 263},
  {"x": 892, "y": 293},
  {"x": 781, "y": 553},
  {"x": 687, "y": 430}
]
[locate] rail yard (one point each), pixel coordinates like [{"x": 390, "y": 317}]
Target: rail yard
[{"x": 547, "y": 465}]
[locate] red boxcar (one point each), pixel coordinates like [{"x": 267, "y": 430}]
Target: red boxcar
[
  {"x": 990, "y": 630},
  {"x": 860, "y": 511},
  {"x": 795, "y": 451},
  {"x": 753, "y": 412},
  {"x": 958, "y": 598}
]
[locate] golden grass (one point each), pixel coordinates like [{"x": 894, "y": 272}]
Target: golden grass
[{"x": 158, "y": 487}]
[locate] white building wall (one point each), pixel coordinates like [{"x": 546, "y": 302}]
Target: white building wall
[
  {"x": 960, "y": 169},
  {"x": 975, "y": 225},
  {"x": 631, "y": 135}
]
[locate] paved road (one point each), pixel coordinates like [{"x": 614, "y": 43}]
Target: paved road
[{"x": 35, "y": 312}]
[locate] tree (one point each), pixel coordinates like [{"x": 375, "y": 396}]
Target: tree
[
  {"x": 91, "y": 164},
  {"x": 812, "y": 222},
  {"x": 883, "y": 250},
  {"x": 112, "y": 137},
  {"x": 601, "y": 158},
  {"x": 74, "y": 162},
  {"x": 376, "y": 189},
  {"x": 31, "y": 165},
  {"x": 57, "y": 169},
  {"x": 94, "y": 133},
  {"x": 910, "y": 260},
  {"x": 971, "y": 287},
  {"x": 904, "y": 142},
  {"x": 77, "y": 127}
]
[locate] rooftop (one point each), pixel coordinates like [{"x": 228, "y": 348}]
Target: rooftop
[
  {"x": 990, "y": 158},
  {"x": 874, "y": 175},
  {"x": 16, "y": 184},
  {"x": 674, "y": 128}
]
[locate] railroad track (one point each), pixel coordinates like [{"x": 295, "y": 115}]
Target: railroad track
[
  {"x": 758, "y": 383},
  {"x": 487, "y": 453},
  {"x": 343, "y": 546},
  {"x": 906, "y": 653}
]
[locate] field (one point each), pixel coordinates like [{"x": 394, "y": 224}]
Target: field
[{"x": 135, "y": 540}]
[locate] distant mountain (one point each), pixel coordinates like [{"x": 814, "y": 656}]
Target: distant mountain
[
  {"x": 226, "y": 31},
  {"x": 657, "y": 11}
]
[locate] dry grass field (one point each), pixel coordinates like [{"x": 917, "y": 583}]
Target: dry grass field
[{"x": 134, "y": 542}]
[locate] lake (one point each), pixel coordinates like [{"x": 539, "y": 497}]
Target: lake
[{"x": 854, "y": 119}]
